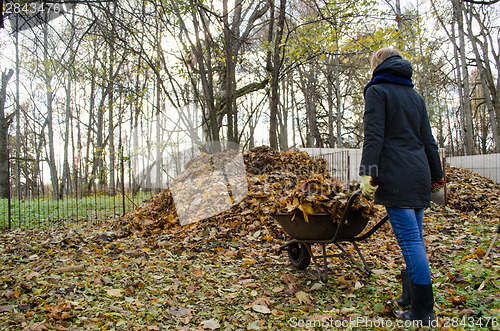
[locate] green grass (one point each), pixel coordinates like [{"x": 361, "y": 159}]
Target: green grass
[{"x": 34, "y": 212}]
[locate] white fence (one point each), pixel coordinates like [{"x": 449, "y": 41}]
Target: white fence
[
  {"x": 343, "y": 164},
  {"x": 487, "y": 165}
]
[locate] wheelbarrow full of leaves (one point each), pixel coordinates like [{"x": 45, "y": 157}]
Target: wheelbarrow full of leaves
[{"x": 321, "y": 229}]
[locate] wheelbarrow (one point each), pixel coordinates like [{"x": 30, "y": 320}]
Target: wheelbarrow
[{"x": 323, "y": 231}]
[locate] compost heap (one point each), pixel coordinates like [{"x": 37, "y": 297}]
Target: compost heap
[{"x": 291, "y": 182}]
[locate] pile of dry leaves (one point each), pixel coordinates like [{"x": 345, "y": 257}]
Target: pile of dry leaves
[
  {"x": 291, "y": 182},
  {"x": 467, "y": 191}
]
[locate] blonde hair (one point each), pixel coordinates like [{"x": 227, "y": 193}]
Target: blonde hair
[{"x": 381, "y": 55}]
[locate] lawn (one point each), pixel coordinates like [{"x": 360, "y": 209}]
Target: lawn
[
  {"x": 214, "y": 276},
  {"x": 35, "y": 212}
]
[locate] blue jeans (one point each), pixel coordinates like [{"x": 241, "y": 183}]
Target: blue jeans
[{"x": 407, "y": 226}]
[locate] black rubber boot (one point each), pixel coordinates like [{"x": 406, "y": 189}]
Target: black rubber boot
[
  {"x": 422, "y": 304},
  {"x": 405, "y": 299}
]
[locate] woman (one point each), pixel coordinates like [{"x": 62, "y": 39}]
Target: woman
[{"x": 400, "y": 163}]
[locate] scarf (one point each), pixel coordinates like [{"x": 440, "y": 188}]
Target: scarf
[{"x": 388, "y": 78}]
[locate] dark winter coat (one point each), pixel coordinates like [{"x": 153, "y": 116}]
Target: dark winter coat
[{"x": 399, "y": 151}]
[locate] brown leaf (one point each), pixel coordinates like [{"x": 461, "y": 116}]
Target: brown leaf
[
  {"x": 36, "y": 327},
  {"x": 73, "y": 268},
  {"x": 32, "y": 274},
  {"x": 479, "y": 252},
  {"x": 180, "y": 311},
  {"x": 9, "y": 294},
  {"x": 457, "y": 300},
  {"x": 387, "y": 310},
  {"x": 303, "y": 298},
  {"x": 467, "y": 312},
  {"x": 130, "y": 289},
  {"x": 211, "y": 324},
  {"x": 6, "y": 309},
  {"x": 26, "y": 286},
  {"x": 262, "y": 301},
  {"x": 115, "y": 292},
  {"x": 197, "y": 272},
  {"x": 288, "y": 278},
  {"x": 261, "y": 309}
]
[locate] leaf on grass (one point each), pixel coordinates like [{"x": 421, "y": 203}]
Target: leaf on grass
[
  {"x": 317, "y": 286},
  {"x": 73, "y": 268},
  {"x": 262, "y": 301},
  {"x": 303, "y": 298},
  {"x": 36, "y": 327},
  {"x": 10, "y": 294},
  {"x": 211, "y": 324},
  {"x": 278, "y": 289},
  {"x": 261, "y": 309},
  {"x": 180, "y": 311},
  {"x": 115, "y": 292},
  {"x": 467, "y": 312},
  {"x": 32, "y": 274},
  {"x": 457, "y": 300},
  {"x": 479, "y": 252},
  {"x": 6, "y": 309},
  {"x": 386, "y": 310},
  {"x": 486, "y": 301},
  {"x": 347, "y": 310},
  {"x": 288, "y": 278},
  {"x": 197, "y": 272}
]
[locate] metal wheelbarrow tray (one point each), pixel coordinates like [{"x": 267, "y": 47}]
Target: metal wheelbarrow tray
[{"x": 323, "y": 231}]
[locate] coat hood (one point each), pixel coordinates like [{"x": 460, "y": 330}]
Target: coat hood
[{"x": 395, "y": 65}]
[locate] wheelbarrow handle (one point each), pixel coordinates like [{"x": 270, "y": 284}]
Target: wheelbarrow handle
[{"x": 345, "y": 214}]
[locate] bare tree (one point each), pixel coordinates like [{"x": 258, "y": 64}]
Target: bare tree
[{"x": 5, "y": 121}]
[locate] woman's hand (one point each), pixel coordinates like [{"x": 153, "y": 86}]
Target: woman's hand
[
  {"x": 366, "y": 185},
  {"x": 437, "y": 185}
]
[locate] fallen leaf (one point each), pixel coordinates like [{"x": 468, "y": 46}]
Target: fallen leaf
[
  {"x": 303, "y": 297},
  {"x": 457, "y": 300},
  {"x": 479, "y": 252},
  {"x": 32, "y": 274},
  {"x": 317, "y": 286},
  {"x": 387, "y": 310},
  {"x": 211, "y": 324},
  {"x": 6, "y": 308},
  {"x": 261, "y": 309},
  {"x": 278, "y": 289},
  {"x": 262, "y": 301},
  {"x": 467, "y": 312},
  {"x": 36, "y": 327},
  {"x": 288, "y": 278},
  {"x": 114, "y": 292},
  {"x": 180, "y": 311},
  {"x": 73, "y": 268}
]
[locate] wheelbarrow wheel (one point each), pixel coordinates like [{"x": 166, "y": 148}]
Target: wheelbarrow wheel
[{"x": 299, "y": 256}]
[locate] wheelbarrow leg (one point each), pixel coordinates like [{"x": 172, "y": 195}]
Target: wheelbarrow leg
[
  {"x": 346, "y": 253},
  {"x": 367, "y": 267},
  {"x": 323, "y": 276}
]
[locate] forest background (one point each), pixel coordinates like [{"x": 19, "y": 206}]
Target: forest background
[{"x": 94, "y": 87}]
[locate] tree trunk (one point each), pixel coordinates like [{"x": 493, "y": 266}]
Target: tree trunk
[
  {"x": 276, "y": 66},
  {"x": 65, "y": 180},
  {"x": 338, "y": 98},
  {"x": 329, "y": 96},
  {"x": 483, "y": 65},
  {"x": 4, "y": 136},
  {"x": 50, "y": 98},
  {"x": 468, "y": 129}
]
